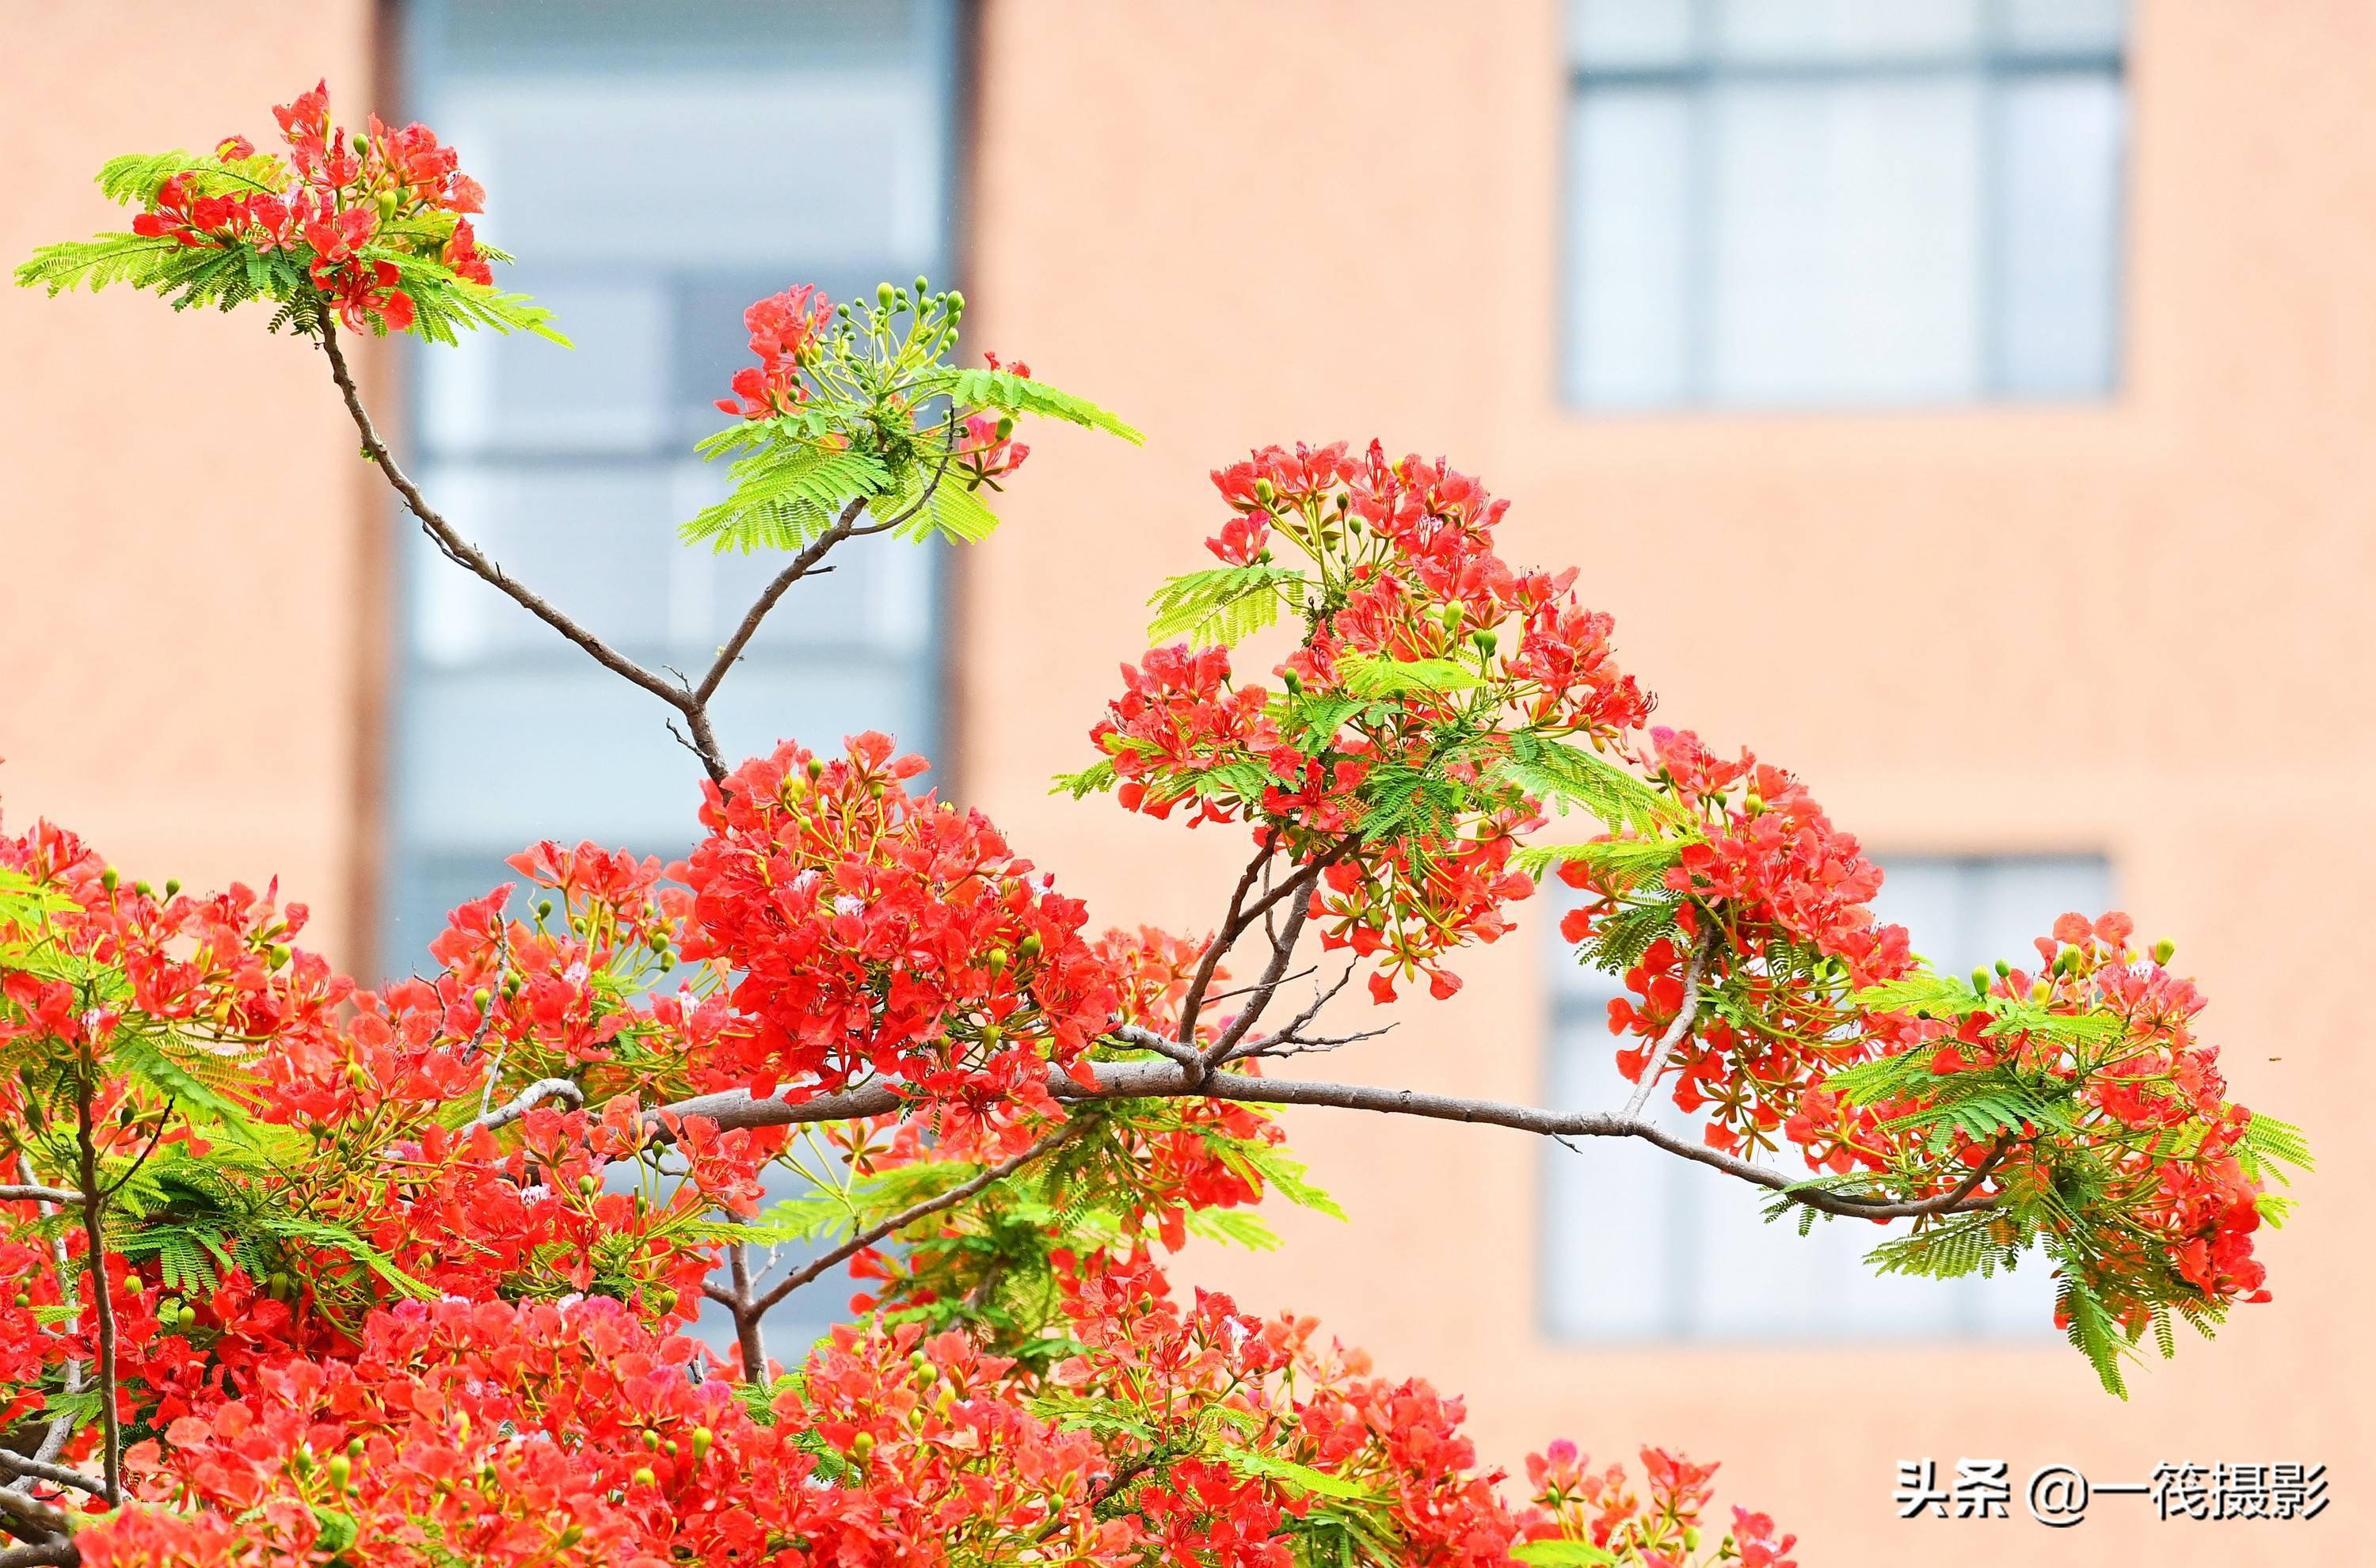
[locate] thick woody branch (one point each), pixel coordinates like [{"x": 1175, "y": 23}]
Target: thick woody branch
[
  {"x": 1151, "y": 1080},
  {"x": 23, "y": 1513},
  {"x": 59, "y": 1553},
  {"x": 25, "y": 1193},
  {"x": 527, "y": 1100},
  {"x": 42, "y": 1470}
]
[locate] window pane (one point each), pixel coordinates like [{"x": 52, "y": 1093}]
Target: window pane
[
  {"x": 1845, "y": 31},
  {"x": 1846, "y": 230},
  {"x": 1842, "y": 202},
  {"x": 1622, "y": 34},
  {"x": 2071, "y": 26},
  {"x": 1628, "y": 249},
  {"x": 522, "y": 394},
  {"x": 736, "y": 167},
  {"x": 592, "y": 539},
  {"x": 2060, "y": 137}
]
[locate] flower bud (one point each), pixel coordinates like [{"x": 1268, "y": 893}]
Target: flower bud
[
  {"x": 173, "y": 886},
  {"x": 2039, "y": 991},
  {"x": 570, "y": 1536},
  {"x": 1981, "y": 982},
  {"x": 544, "y": 908},
  {"x": 355, "y": 1447},
  {"x": 143, "y": 888},
  {"x": 884, "y": 296},
  {"x": 1486, "y": 641},
  {"x": 342, "y": 1470},
  {"x": 861, "y": 1447},
  {"x": 1030, "y": 946},
  {"x": 109, "y": 878},
  {"x": 702, "y": 1438},
  {"x": 588, "y": 1184},
  {"x": 998, "y": 958},
  {"x": 2004, "y": 969},
  {"x": 816, "y": 769},
  {"x": 643, "y": 1477},
  {"x": 2165, "y": 950},
  {"x": 1266, "y": 492}
]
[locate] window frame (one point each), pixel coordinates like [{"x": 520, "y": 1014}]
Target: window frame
[{"x": 1996, "y": 63}]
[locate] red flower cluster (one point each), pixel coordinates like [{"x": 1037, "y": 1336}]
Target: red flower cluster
[
  {"x": 1400, "y": 689},
  {"x": 351, "y": 203},
  {"x": 1603, "y": 1508},
  {"x": 786, "y": 331},
  {"x": 878, "y": 931}
]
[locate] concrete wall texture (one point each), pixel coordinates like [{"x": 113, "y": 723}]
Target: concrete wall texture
[{"x": 2134, "y": 626}]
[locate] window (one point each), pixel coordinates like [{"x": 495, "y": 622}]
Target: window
[
  {"x": 1640, "y": 1245},
  {"x": 1795, "y": 202},
  {"x": 657, "y": 167}
]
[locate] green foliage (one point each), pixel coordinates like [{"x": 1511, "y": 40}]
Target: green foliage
[
  {"x": 1224, "y": 605},
  {"x": 1014, "y": 393},
  {"x": 1367, "y": 675},
  {"x": 1094, "y": 780},
  {"x": 1565, "y": 776},
  {"x": 1561, "y": 1554},
  {"x": 881, "y": 422},
  {"x": 227, "y": 276},
  {"x": 786, "y": 495},
  {"x": 1619, "y": 940},
  {"x": 1619, "y": 864}
]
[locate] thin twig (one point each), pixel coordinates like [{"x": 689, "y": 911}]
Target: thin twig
[
  {"x": 109, "y": 1418},
  {"x": 1282, "y": 953},
  {"x": 800, "y": 566},
  {"x": 1193, "y": 1001},
  {"x": 816, "y": 1267},
  {"x": 1686, "y": 1017},
  {"x": 459, "y": 550}
]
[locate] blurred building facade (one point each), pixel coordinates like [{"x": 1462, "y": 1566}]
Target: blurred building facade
[{"x": 1961, "y": 401}]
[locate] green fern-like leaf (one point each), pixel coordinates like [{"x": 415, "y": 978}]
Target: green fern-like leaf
[
  {"x": 785, "y": 496},
  {"x": 1369, "y": 676},
  {"x": 1619, "y": 864},
  {"x": 955, "y": 511},
  {"x": 1222, "y": 605},
  {"x": 1094, "y": 780},
  {"x": 1019, "y": 395},
  {"x": 1565, "y": 776}
]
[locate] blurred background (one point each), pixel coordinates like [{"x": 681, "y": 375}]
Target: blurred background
[{"x": 1965, "y": 402}]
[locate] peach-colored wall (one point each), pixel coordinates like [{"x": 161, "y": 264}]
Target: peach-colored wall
[
  {"x": 2137, "y": 626},
  {"x": 188, "y": 597},
  {"x": 2133, "y": 626}
]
